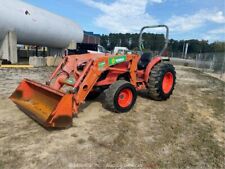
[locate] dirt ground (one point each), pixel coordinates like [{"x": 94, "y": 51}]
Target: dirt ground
[{"x": 187, "y": 131}]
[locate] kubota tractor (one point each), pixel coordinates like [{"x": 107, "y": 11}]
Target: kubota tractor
[{"x": 87, "y": 76}]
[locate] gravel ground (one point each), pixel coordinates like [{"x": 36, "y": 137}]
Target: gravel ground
[{"x": 187, "y": 131}]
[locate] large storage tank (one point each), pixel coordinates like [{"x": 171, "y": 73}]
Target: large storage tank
[{"x": 35, "y": 26}]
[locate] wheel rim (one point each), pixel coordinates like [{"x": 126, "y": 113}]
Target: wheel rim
[
  {"x": 125, "y": 98},
  {"x": 167, "y": 82}
]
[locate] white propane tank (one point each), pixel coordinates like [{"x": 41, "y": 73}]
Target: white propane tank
[{"x": 35, "y": 26}]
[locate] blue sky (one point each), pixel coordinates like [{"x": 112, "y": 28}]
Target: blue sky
[{"x": 187, "y": 19}]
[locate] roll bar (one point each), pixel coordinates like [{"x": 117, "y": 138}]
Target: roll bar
[{"x": 141, "y": 46}]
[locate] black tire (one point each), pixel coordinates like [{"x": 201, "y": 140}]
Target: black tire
[
  {"x": 113, "y": 93},
  {"x": 155, "y": 83}
]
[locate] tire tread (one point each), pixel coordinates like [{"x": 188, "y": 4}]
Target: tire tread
[{"x": 154, "y": 85}]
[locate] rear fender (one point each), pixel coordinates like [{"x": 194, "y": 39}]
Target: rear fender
[{"x": 151, "y": 64}]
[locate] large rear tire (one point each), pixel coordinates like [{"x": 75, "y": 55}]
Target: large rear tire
[
  {"x": 162, "y": 81},
  {"x": 120, "y": 97}
]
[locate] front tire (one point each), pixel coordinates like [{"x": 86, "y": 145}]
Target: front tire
[
  {"x": 120, "y": 97},
  {"x": 162, "y": 81}
]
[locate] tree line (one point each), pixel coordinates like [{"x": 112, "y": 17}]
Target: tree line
[{"x": 155, "y": 42}]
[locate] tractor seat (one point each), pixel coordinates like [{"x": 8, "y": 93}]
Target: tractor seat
[{"x": 145, "y": 59}]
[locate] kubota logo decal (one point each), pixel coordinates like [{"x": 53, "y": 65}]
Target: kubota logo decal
[{"x": 117, "y": 59}]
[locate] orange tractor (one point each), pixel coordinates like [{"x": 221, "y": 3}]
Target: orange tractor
[{"x": 87, "y": 76}]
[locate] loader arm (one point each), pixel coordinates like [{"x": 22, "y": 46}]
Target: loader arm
[{"x": 85, "y": 84}]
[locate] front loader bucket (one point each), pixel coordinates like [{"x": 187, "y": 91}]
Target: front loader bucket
[{"x": 49, "y": 107}]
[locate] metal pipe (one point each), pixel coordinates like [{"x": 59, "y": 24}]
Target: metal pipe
[
  {"x": 35, "y": 26},
  {"x": 154, "y": 26}
]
